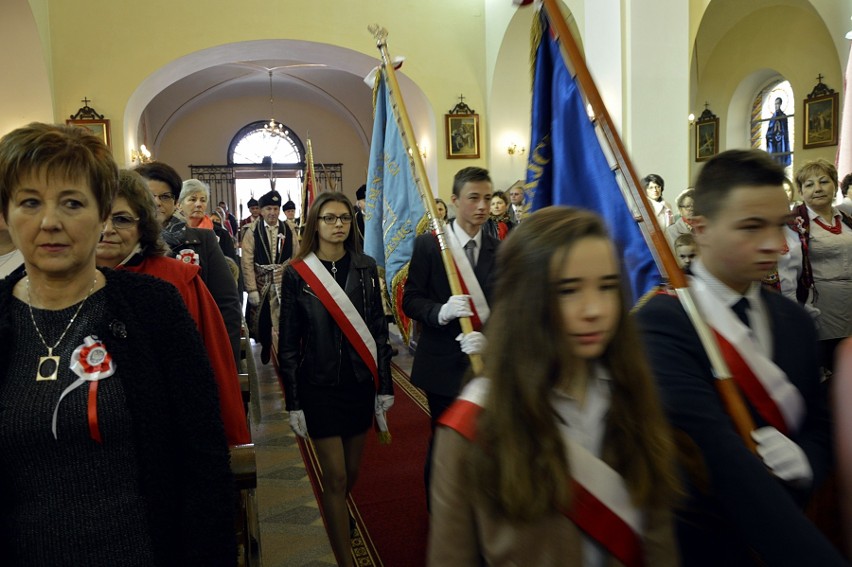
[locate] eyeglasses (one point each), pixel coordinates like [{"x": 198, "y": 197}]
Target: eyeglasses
[
  {"x": 123, "y": 221},
  {"x": 165, "y": 197},
  {"x": 332, "y": 219}
]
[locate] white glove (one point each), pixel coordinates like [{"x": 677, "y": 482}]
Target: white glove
[
  {"x": 383, "y": 403},
  {"x": 254, "y": 297},
  {"x": 457, "y": 306},
  {"x": 298, "y": 424},
  {"x": 782, "y": 456},
  {"x": 472, "y": 343}
]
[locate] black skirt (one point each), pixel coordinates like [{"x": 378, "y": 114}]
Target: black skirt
[{"x": 345, "y": 410}]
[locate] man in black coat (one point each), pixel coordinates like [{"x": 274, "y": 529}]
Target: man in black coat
[{"x": 743, "y": 508}]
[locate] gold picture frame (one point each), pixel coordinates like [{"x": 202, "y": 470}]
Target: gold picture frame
[
  {"x": 99, "y": 128},
  {"x": 462, "y": 132},
  {"x": 821, "y": 121},
  {"x": 706, "y": 139}
]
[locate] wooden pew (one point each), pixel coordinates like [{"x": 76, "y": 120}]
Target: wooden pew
[{"x": 244, "y": 469}]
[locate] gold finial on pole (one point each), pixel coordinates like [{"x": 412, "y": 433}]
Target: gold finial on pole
[{"x": 418, "y": 171}]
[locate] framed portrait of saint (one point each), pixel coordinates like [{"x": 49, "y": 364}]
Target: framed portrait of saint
[
  {"x": 821, "y": 121},
  {"x": 462, "y": 136},
  {"x": 706, "y": 139}
]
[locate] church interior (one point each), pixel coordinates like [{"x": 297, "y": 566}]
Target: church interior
[{"x": 197, "y": 83}]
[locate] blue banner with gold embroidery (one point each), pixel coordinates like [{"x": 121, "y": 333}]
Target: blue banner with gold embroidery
[
  {"x": 394, "y": 211},
  {"x": 567, "y": 165}
]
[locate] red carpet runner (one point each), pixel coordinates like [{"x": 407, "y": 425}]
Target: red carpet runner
[{"x": 389, "y": 500}]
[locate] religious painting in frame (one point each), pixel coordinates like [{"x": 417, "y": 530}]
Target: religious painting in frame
[
  {"x": 706, "y": 139},
  {"x": 821, "y": 121},
  {"x": 462, "y": 136},
  {"x": 99, "y": 128}
]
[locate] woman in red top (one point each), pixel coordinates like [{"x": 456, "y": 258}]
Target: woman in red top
[
  {"x": 131, "y": 241},
  {"x": 500, "y": 223}
]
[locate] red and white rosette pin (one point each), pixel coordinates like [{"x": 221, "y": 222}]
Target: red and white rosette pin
[
  {"x": 91, "y": 363},
  {"x": 189, "y": 256}
]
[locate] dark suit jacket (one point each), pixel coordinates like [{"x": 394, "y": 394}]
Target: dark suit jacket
[
  {"x": 743, "y": 512},
  {"x": 215, "y": 272},
  {"x": 439, "y": 363}
]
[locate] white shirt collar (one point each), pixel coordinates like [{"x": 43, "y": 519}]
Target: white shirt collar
[
  {"x": 723, "y": 292},
  {"x": 463, "y": 237},
  {"x": 814, "y": 215},
  {"x": 757, "y": 312}
]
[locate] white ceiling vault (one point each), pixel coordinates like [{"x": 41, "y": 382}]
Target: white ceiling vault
[{"x": 325, "y": 75}]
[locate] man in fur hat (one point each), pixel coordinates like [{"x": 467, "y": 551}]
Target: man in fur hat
[
  {"x": 254, "y": 214},
  {"x": 289, "y": 209},
  {"x": 267, "y": 245}
]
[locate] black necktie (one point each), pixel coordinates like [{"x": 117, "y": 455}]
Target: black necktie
[{"x": 741, "y": 309}]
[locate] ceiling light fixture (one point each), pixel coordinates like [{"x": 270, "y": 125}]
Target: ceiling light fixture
[{"x": 273, "y": 127}]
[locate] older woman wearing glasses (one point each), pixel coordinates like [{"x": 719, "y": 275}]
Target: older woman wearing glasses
[
  {"x": 131, "y": 241},
  {"x": 333, "y": 355},
  {"x": 682, "y": 225},
  {"x": 195, "y": 245}
]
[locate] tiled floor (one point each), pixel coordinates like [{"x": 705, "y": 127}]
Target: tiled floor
[{"x": 292, "y": 532}]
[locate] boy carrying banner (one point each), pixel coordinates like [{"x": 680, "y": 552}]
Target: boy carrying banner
[{"x": 743, "y": 508}]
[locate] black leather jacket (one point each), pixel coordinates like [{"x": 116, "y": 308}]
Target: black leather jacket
[{"x": 310, "y": 344}]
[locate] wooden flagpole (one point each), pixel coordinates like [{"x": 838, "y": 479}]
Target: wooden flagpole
[
  {"x": 311, "y": 168},
  {"x": 420, "y": 178},
  {"x": 730, "y": 395},
  {"x": 309, "y": 175}
]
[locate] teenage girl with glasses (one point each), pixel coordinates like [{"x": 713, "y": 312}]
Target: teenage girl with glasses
[{"x": 335, "y": 377}]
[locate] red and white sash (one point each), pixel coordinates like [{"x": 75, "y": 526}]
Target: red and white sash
[
  {"x": 601, "y": 507},
  {"x": 470, "y": 284},
  {"x": 764, "y": 384},
  {"x": 340, "y": 307}
]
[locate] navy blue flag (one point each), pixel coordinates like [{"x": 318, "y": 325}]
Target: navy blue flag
[{"x": 567, "y": 165}]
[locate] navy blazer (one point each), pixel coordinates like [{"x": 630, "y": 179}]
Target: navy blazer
[
  {"x": 439, "y": 363},
  {"x": 743, "y": 512}
]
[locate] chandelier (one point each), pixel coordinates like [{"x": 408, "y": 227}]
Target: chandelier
[{"x": 273, "y": 127}]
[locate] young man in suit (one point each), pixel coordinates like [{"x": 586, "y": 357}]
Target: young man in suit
[
  {"x": 743, "y": 508},
  {"x": 441, "y": 358}
]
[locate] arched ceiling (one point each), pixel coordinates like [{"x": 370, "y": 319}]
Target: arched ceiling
[
  {"x": 719, "y": 16},
  {"x": 722, "y": 15},
  {"x": 326, "y": 75},
  {"x": 338, "y": 91}
]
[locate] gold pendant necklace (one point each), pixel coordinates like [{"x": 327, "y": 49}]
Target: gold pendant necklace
[{"x": 48, "y": 366}]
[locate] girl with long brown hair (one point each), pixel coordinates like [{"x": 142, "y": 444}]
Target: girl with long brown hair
[
  {"x": 333, "y": 353},
  {"x": 566, "y": 428}
]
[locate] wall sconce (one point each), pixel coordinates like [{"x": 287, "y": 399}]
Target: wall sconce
[
  {"x": 419, "y": 151},
  {"x": 706, "y": 115},
  {"x": 142, "y": 155},
  {"x": 514, "y": 149}
]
